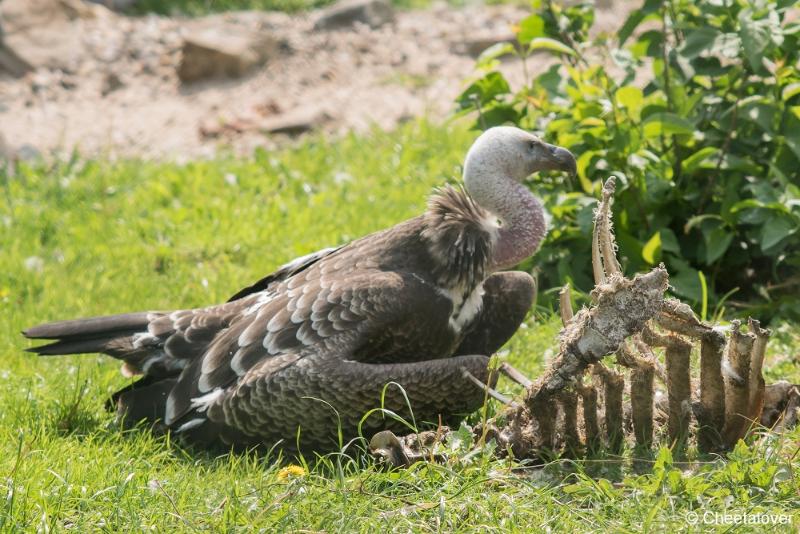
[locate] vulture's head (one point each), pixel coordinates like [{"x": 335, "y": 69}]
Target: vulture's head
[
  {"x": 509, "y": 152},
  {"x": 499, "y": 160}
]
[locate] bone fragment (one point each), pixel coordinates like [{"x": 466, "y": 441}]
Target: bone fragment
[
  {"x": 737, "y": 392},
  {"x": 565, "y": 305},
  {"x": 591, "y": 428},
  {"x": 712, "y": 392},
  {"x": 642, "y": 404}
]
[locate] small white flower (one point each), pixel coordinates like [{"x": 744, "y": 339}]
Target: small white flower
[
  {"x": 341, "y": 177},
  {"x": 34, "y": 263}
]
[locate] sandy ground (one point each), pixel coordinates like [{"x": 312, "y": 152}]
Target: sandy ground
[{"x": 121, "y": 95}]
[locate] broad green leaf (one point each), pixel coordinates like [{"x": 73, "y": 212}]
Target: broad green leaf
[
  {"x": 652, "y": 249},
  {"x": 495, "y": 51},
  {"x": 545, "y": 43},
  {"x": 791, "y": 132},
  {"x": 793, "y": 89},
  {"x": 759, "y": 112},
  {"x": 659, "y": 124},
  {"x": 699, "y": 40},
  {"x": 755, "y": 35},
  {"x": 740, "y": 163},
  {"x": 696, "y": 160},
  {"x": 717, "y": 240},
  {"x": 551, "y": 80},
  {"x": 637, "y": 16},
  {"x": 583, "y": 162},
  {"x": 697, "y": 219},
  {"x": 687, "y": 284},
  {"x": 793, "y": 143},
  {"x": 776, "y": 229},
  {"x": 648, "y": 44},
  {"x": 484, "y": 90},
  {"x": 752, "y": 203},
  {"x": 592, "y": 122},
  {"x": 708, "y": 67},
  {"x": 497, "y": 114},
  {"x": 669, "y": 243},
  {"x": 530, "y": 28},
  {"x": 632, "y": 99}
]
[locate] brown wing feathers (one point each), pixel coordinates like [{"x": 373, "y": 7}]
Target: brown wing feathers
[{"x": 286, "y": 321}]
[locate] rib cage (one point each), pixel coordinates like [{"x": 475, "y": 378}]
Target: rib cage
[{"x": 582, "y": 405}]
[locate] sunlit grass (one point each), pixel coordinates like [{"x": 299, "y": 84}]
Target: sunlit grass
[{"x": 98, "y": 237}]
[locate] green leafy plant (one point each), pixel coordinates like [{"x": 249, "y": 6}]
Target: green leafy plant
[{"x": 695, "y": 107}]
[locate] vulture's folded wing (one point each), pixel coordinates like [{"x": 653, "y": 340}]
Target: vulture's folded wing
[
  {"x": 344, "y": 317},
  {"x": 284, "y": 271}
]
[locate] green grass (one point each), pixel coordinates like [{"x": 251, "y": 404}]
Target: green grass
[{"x": 97, "y": 237}]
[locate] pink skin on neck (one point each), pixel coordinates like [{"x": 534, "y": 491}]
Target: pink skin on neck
[
  {"x": 523, "y": 226},
  {"x": 494, "y": 168}
]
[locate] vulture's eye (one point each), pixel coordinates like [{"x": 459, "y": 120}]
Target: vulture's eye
[{"x": 532, "y": 145}]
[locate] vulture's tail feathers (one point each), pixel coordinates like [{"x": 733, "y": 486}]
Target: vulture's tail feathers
[
  {"x": 110, "y": 335},
  {"x": 59, "y": 348}
]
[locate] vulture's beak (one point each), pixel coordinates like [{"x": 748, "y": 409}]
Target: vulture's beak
[{"x": 561, "y": 159}]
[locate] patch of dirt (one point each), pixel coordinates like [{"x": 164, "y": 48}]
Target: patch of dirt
[{"x": 120, "y": 93}]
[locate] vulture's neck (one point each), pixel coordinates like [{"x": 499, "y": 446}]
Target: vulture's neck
[
  {"x": 522, "y": 222},
  {"x": 465, "y": 239}
]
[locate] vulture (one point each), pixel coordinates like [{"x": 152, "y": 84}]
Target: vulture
[{"x": 376, "y": 334}]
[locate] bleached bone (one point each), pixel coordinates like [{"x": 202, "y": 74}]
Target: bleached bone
[
  {"x": 565, "y": 305},
  {"x": 737, "y": 384},
  {"x": 505, "y": 399},
  {"x": 515, "y": 375}
]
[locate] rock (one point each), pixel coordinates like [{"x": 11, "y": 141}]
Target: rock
[
  {"x": 223, "y": 52},
  {"x": 474, "y": 46},
  {"x": 111, "y": 82},
  {"x": 294, "y": 122},
  {"x": 116, "y": 5},
  {"x": 6, "y": 152},
  {"x": 42, "y": 34},
  {"x": 28, "y": 152},
  {"x": 343, "y": 14}
]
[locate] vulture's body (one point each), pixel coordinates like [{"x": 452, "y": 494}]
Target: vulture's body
[{"x": 307, "y": 351}]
